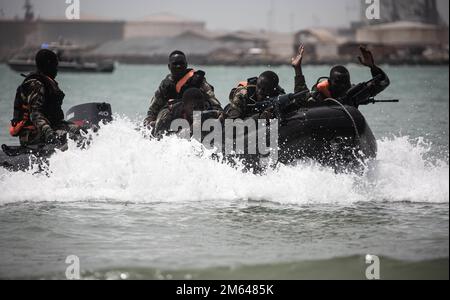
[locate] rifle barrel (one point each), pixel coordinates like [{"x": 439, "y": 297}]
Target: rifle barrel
[
  {"x": 387, "y": 101},
  {"x": 295, "y": 96}
]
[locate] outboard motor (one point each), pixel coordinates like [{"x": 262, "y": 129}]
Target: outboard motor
[{"x": 90, "y": 114}]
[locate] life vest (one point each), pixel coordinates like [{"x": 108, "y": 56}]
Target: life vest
[
  {"x": 21, "y": 119},
  {"x": 183, "y": 81},
  {"x": 324, "y": 88},
  {"x": 16, "y": 127}
]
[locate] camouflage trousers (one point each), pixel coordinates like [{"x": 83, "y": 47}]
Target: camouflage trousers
[{"x": 30, "y": 138}]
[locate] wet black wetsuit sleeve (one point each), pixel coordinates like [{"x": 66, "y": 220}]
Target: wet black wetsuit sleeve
[
  {"x": 381, "y": 85},
  {"x": 301, "y": 86},
  {"x": 300, "y": 83}
]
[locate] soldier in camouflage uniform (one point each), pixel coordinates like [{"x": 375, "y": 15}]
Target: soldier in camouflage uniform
[
  {"x": 38, "y": 116},
  {"x": 339, "y": 83},
  {"x": 244, "y": 97},
  {"x": 192, "y": 100},
  {"x": 173, "y": 86}
]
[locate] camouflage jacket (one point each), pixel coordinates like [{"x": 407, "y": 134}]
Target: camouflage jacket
[
  {"x": 44, "y": 99},
  {"x": 300, "y": 84},
  {"x": 167, "y": 91},
  {"x": 166, "y": 116},
  {"x": 241, "y": 104},
  {"x": 240, "y": 101}
]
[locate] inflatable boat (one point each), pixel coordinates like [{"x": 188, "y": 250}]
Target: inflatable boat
[{"x": 335, "y": 134}]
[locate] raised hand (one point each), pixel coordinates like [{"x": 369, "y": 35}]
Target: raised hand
[
  {"x": 366, "y": 57},
  {"x": 297, "y": 61}
]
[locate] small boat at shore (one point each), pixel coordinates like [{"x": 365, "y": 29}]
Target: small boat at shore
[
  {"x": 70, "y": 57},
  {"x": 23, "y": 65}
]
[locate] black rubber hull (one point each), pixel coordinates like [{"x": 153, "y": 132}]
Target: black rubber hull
[
  {"x": 18, "y": 158},
  {"x": 327, "y": 134},
  {"x": 19, "y": 163},
  {"x": 331, "y": 136}
]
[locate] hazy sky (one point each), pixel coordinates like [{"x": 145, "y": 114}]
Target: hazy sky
[{"x": 218, "y": 14}]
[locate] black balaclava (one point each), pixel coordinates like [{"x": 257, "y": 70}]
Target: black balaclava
[
  {"x": 47, "y": 63},
  {"x": 267, "y": 85},
  {"x": 339, "y": 81}
]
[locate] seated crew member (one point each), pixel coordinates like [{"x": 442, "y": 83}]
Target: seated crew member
[
  {"x": 180, "y": 79},
  {"x": 193, "y": 100},
  {"x": 338, "y": 84},
  {"x": 263, "y": 87},
  {"x": 244, "y": 97},
  {"x": 38, "y": 116}
]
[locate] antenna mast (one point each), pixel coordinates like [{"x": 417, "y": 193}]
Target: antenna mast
[{"x": 29, "y": 13}]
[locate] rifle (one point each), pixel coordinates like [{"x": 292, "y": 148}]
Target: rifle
[
  {"x": 210, "y": 114},
  {"x": 279, "y": 103},
  {"x": 373, "y": 101},
  {"x": 361, "y": 94}
]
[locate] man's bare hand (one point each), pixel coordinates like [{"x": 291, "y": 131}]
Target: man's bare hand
[
  {"x": 297, "y": 61},
  {"x": 366, "y": 57}
]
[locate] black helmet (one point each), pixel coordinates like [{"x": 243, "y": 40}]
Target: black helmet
[
  {"x": 267, "y": 84},
  {"x": 340, "y": 80}
]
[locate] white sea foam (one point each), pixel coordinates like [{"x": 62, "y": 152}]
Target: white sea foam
[{"x": 121, "y": 165}]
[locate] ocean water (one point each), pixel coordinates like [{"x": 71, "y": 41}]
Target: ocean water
[{"x": 132, "y": 208}]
